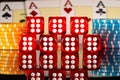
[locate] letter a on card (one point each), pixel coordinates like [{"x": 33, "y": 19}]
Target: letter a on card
[{"x": 32, "y": 8}]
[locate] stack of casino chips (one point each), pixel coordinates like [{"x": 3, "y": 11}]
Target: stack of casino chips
[
  {"x": 9, "y": 44},
  {"x": 109, "y": 30}
]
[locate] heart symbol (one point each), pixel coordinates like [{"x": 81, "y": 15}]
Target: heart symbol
[{"x": 68, "y": 10}]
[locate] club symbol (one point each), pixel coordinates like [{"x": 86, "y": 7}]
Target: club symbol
[{"x": 100, "y": 11}]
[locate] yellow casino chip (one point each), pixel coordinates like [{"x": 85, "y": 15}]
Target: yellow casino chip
[
  {"x": 5, "y": 64},
  {"x": 13, "y": 25},
  {"x": 9, "y": 40},
  {"x": 8, "y": 58},
  {"x": 9, "y": 51},
  {"x": 11, "y": 34},
  {"x": 9, "y": 69},
  {"x": 12, "y": 72},
  {"x": 8, "y": 55},
  {"x": 9, "y": 47},
  {"x": 10, "y": 65},
  {"x": 12, "y": 29}
]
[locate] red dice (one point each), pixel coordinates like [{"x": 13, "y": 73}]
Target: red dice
[
  {"x": 79, "y": 25},
  {"x": 79, "y": 75},
  {"x": 70, "y": 44},
  {"x": 35, "y": 25},
  {"x": 48, "y": 43},
  {"x": 35, "y": 75},
  {"x": 48, "y": 61},
  {"x": 92, "y": 43},
  {"x": 69, "y": 61},
  {"x": 57, "y": 25},
  {"x": 27, "y": 61},
  {"x": 91, "y": 61},
  {"x": 57, "y": 74},
  {"x": 27, "y": 43}
]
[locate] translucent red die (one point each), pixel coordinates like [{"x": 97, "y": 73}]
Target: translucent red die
[
  {"x": 35, "y": 25},
  {"x": 79, "y": 25},
  {"x": 79, "y": 75},
  {"x": 35, "y": 75},
  {"x": 69, "y": 61},
  {"x": 48, "y": 61},
  {"x": 92, "y": 42},
  {"x": 91, "y": 61},
  {"x": 27, "y": 43},
  {"x": 57, "y": 25},
  {"x": 48, "y": 43},
  {"x": 27, "y": 61},
  {"x": 57, "y": 74},
  {"x": 70, "y": 43}
]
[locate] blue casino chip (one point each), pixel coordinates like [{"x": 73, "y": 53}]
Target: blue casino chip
[
  {"x": 106, "y": 27},
  {"x": 108, "y": 21},
  {"x": 109, "y": 30},
  {"x": 106, "y": 74},
  {"x": 105, "y": 32}
]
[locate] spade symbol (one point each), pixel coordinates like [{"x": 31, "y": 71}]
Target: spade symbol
[{"x": 6, "y": 15}]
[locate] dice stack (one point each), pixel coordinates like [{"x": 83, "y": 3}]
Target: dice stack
[
  {"x": 9, "y": 45},
  {"x": 109, "y": 30},
  {"x": 47, "y": 46},
  {"x": 91, "y": 52}
]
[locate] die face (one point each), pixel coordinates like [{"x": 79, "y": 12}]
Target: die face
[
  {"x": 91, "y": 61},
  {"x": 48, "y": 43},
  {"x": 48, "y": 61},
  {"x": 79, "y": 25},
  {"x": 57, "y": 25},
  {"x": 70, "y": 44},
  {"x": 69, "y": 61},
  {"x": 27, "y": 43},
  {"x": 27, "y": 61},
  {"x": 92, "y": 43},
  {"x": 35, "y": 25},
  {"x": 35, "y": 75},
  {"x": 79, "y": 75},
  {"x": 57, "y": 74}
]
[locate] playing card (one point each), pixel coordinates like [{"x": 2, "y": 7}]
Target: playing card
[
  {"x": 67, "y": 10},
  {"x": 7, "y": 11},
  {"x": 99, "y": 10},
  {"x": 32, "y": 8}
]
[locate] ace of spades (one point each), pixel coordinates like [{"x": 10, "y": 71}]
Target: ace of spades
[{"x": 6, "y": 13}]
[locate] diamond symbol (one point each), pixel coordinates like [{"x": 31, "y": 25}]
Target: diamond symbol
[{"x": 34, "y": 13}]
